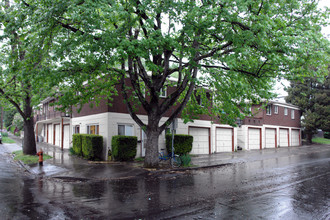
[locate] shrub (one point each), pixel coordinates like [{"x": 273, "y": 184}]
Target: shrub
[
  {"x": 185, "y": 159},
  {"x": 182, "y": 143},
  {"x": 124, "y": 147},
  {"x": 92, "y": 146},
  {"x": 327, "y": 135},
  {"x": 4, "y": 134},
  {"x": 77, "y": 144}
]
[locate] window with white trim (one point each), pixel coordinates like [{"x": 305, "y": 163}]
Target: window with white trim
[
  {"x": 285, "y": 111},
  {"x": 163, "y": 92},
  {"x": 76, "y": 129},
  {"x": 275, "y": 109},
  {"x": 292, "y": 114},
  {"x": 93, "y": 129},
  {"x": 126, "y": 130},
  {"x": 268, "y": 110}
]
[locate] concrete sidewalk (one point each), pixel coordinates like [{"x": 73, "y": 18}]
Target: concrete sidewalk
[{"x": 64, "y": 165}]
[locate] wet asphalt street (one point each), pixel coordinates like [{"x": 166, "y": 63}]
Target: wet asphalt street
[{"x": 285, "y": 187}]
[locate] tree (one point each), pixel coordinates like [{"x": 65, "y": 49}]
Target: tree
[
  {"x": 23, "y": 73},
  {"x": 235, "y": 49},
  {"x": 9, "y": 117},
  {"x": 312, "y": 95}
]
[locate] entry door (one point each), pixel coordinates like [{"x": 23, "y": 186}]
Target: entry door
[{"x": 143, "y": 142}]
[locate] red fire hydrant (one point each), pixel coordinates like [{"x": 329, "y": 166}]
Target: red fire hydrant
[{"x": 41, "y": 157}]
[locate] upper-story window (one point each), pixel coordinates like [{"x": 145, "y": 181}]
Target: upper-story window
[
  {"x": 46, "y": 107},
  {"x": 275, "y": 109},
  {"x": 292, "y": 114},
  {"x": 199, "y": 100},
  {"x": 163, "y": 92},
  {"x": 93, "y": 129},
  {"x": 268, "y": 110},
  {"x": 126, "y": 130},
  {"x": 285, "y": 111}
]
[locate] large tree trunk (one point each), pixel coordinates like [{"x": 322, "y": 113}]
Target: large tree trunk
[
  {"x": 309, "y": 137},
  {"x": 29, "y": 146},
  {"x": 151, "y": 160}
]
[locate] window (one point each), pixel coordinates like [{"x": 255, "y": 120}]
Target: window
[
  {"x": 163, "y": 93},
  {"x": 199, "y": 100},
  {"x": 76, "y": 129},
  {"x": 126, "y": 130},
  {"x": 275, "y": 109},
  {"x": 268, "y": 110},
  {"x": 292, "y": 114},
  {"x": 92, "y": 129},
  {"x": 285, "y": 111}
]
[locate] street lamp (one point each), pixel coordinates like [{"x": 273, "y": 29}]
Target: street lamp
[{"x": 239, "y": 122}]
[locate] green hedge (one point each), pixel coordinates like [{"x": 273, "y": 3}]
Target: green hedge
[
  {"x": 87, "y": 145},
  {"x": 77, "y": 144},
  {"x": 327, "y": 135},
  {"x": 92, "y": 146},
  {"x": 182, "y": 143},
  {"x": 124, "y": 147}
]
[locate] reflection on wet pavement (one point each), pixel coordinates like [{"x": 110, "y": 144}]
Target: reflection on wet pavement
[{"x": 286, "y": 187}]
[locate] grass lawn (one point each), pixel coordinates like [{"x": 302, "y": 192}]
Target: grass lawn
[
  {"x": 7, "y": 140},
  {"x": 28, "y": 159},
  {"x": 321, "y": 140}
]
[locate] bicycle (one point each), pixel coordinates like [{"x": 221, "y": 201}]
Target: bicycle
[{"x": 175, "y": 160}]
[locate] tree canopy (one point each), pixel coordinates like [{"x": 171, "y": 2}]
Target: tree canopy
[
  {"x": 312, "y": 95},
  {"x": 235, "y": 49}
]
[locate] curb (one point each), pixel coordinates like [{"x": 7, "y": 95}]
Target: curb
[{"x": 187, "y": 168}]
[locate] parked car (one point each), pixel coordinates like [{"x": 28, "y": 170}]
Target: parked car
[{"x": 0, "y": 138}]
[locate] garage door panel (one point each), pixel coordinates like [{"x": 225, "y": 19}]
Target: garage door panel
[
  {"x": 201, "y": 140},
  {"x": 50, "y": 134},
  {"x": 270, "y": 137},
  {"x": 254, "y": 138},
  {"x": 284, "y": 140},
  {"x": 57, "y": 135},
  {"x": 224, "y": 140},
  {"x": 66, "y": 138},
  {"x": 295, "y": 137}
]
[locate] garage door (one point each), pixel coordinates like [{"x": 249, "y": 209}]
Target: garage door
[
  {"x": 224, "y": 141},
  {"x": 254, "y": 138},
  {"x": 270, "y": 137},
  {"x": 295, "y": 137},
  {"x": 50, "y": 133},
  {"x": 66, "y": 138},
  {"x": 201, "y": 143},
  {"x": 284, "y": 137},
  {"x": 57, "y": 135}
]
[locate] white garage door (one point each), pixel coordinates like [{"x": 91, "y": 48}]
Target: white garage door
[
  {"x": 224, "y": 140},
  {"x": 201, "y": 140},
  {"x": 295, "y": 137},
  {"x": 270, "y": 137},
  {"x": 254, "y": 139},
  {"x": 66, "y": 138},
  {"x": 284, "y": 137},
  {"x": 57, "y": 135},
  {"x": 50, "y": 133}
]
